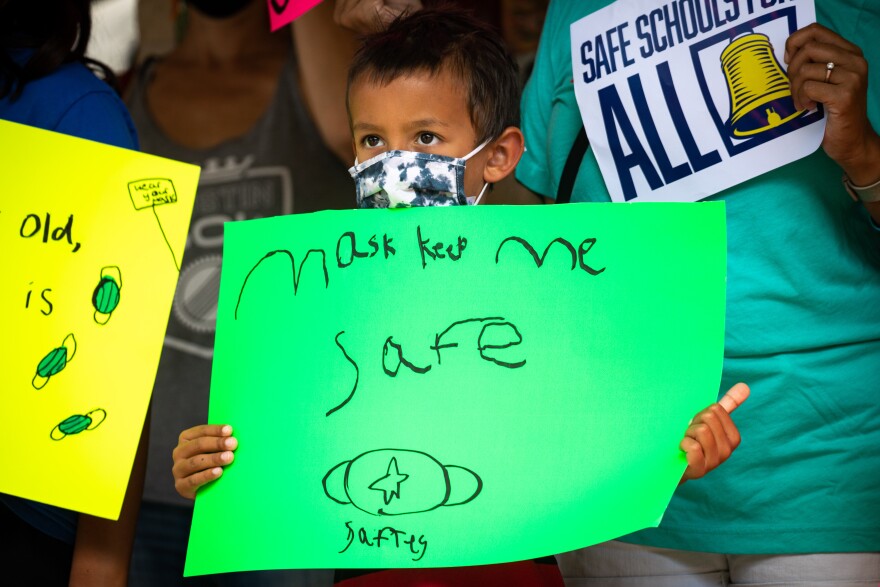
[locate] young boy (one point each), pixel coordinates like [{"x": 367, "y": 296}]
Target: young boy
[
  {"x": 434, "y": 110},
  {"x": 438, "y": 86}
]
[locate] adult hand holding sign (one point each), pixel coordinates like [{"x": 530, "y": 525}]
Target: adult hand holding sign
[{"x": 828, "y": 69}]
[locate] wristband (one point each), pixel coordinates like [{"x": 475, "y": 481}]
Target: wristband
[{"x": 867, "y": 194}]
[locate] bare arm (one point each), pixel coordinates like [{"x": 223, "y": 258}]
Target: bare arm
[
  {"x": 102, "y": 552},
  {"x": 324, "y": 51}
]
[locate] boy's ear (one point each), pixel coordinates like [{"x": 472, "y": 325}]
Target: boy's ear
[{"x": 504, "y": 154}]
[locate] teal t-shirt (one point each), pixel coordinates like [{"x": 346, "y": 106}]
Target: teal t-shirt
[{"x": 802, "y": 327}]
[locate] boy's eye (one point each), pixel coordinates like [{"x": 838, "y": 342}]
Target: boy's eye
[
  {"x": 427, "y": 138},
  {"x": 372, "y": 141}
]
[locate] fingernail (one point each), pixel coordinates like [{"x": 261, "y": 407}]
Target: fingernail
[
  {"x": 226, "y": 430},
  {"x": 226, "y": 457},
  {"x": 230, "y": 443},
  {"x": 217, "y": 471}
]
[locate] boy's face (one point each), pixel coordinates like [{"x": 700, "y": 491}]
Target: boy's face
[{"x": 418, "y": 112}]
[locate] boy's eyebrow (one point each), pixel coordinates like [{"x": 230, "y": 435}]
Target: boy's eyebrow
[
  {"x": 414, "y": 125},
  {"x": 364, "y": 126},
  {"x": 426, "y": 122}
]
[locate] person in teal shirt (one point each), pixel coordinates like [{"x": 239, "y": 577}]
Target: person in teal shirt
[{"x": 800, "y": 500}]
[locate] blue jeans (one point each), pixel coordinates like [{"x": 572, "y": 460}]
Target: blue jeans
[{"x": 160, "y": 552}]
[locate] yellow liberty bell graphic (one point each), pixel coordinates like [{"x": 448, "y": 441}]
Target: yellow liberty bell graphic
[{"x": 760, "y": 93}]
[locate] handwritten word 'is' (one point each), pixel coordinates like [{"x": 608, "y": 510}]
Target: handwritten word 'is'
[{"x": 45, "y": 311}]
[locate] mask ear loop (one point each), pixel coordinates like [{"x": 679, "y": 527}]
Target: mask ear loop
[
  {"x": 477, "y": 150},
  {"x": 471, "y": 154},
  {"x": 482, "y": 191}
]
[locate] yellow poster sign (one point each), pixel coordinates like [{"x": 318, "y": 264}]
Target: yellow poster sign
[{"x": 92, "y": 237}]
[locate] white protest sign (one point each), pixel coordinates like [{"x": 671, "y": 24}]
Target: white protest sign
[{"x": 685, "y": 98}]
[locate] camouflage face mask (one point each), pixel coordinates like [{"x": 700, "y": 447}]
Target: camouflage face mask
[{"x": 401, "y": 179}]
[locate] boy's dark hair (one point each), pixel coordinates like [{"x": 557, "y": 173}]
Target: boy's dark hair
[{"x": 430, "y": 40}]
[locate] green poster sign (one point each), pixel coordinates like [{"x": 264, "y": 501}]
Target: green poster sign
[{"x": 456, "y": 386}]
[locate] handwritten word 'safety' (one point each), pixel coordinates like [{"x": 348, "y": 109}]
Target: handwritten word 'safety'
[{"x": 392, "y": 537}]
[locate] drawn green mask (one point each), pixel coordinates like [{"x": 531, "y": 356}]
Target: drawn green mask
[
  {"x": 52, "y": 363},
  {"x": 106, "y": 295}
]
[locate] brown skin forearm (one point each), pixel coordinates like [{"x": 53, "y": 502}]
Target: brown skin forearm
[
  {"x": 103, "y": 547},
  {"x": 864, "y": 170},
  {"x": 324, "y": 51}
]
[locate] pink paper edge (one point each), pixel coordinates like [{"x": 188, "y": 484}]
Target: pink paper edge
[{"x": 294, "y": 10}]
